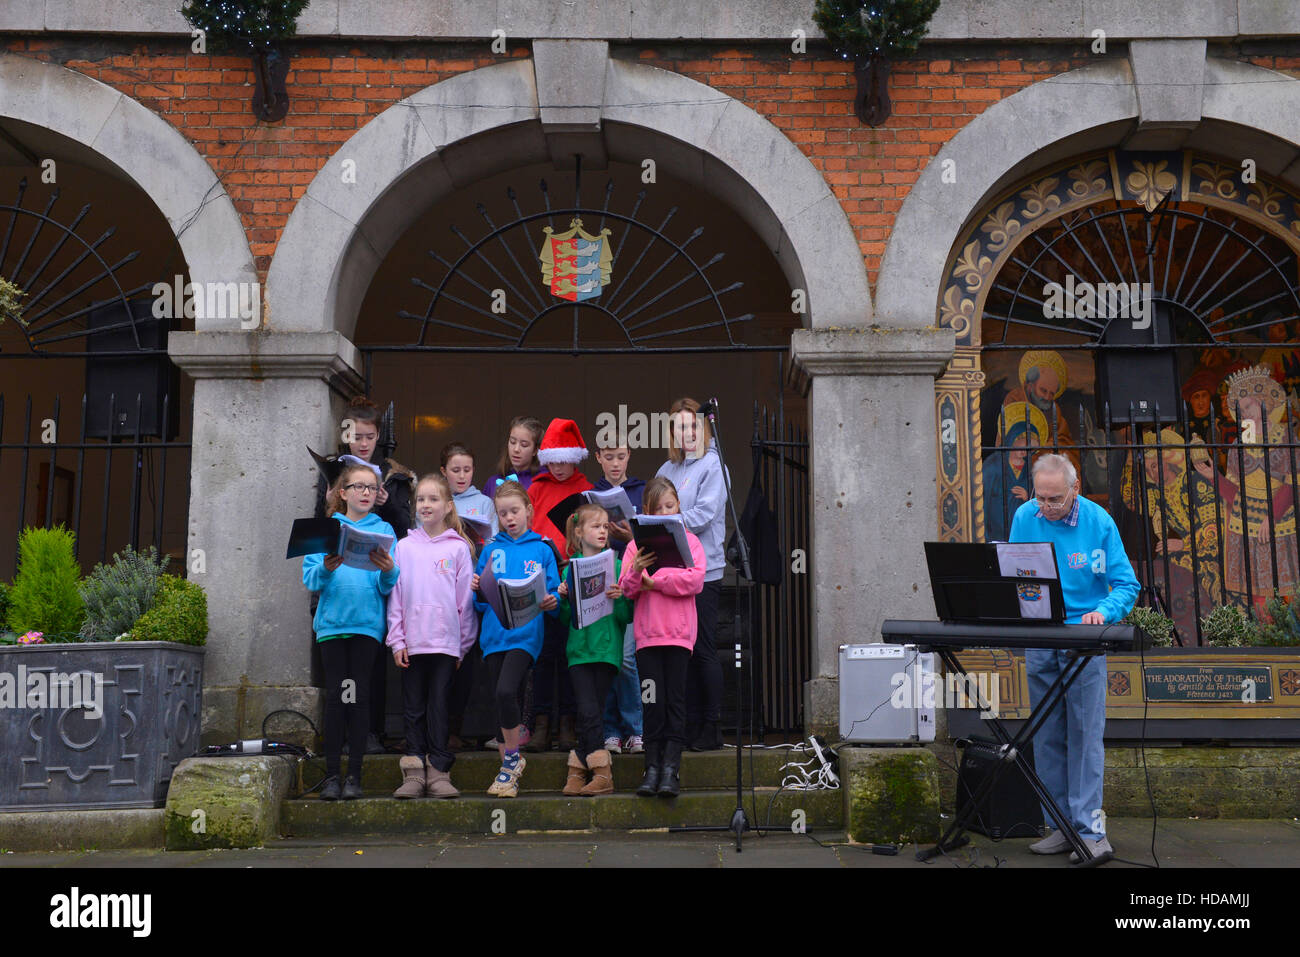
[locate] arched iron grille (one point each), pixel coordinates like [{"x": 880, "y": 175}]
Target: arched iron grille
[
  {"x": 1229, "y": 278},
  {"x": 65, "y": 277},
  {"x": 495, "y": 294}
]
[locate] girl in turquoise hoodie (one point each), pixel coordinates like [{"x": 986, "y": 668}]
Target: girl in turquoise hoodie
[
  {"x": 349, "y": 624},
  {"x": 515, "y": 552}
]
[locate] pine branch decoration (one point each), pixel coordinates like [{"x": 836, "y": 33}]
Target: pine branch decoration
[
  {"x": 244, "y": 26},
  {"x": 861, "y": 29}
]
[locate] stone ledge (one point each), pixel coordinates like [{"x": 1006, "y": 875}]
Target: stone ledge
[
  {"x": 869, "y": 350},
  {"x": 226, "y": 802},
  {"x": 260, "y": 355},
  {"x": 90, "y": 830},
  {"x": 668, "y": 19}
]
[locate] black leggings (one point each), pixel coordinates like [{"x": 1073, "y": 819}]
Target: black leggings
[
  {"x": 665, "y": 713},
  {"x": 506, "y": 673},
  {"x": 704, "y": 677},
  {"x": 591, "y": 684},
  {"x": 348, "y": 663},
  {"x": 426, "y": 688}
]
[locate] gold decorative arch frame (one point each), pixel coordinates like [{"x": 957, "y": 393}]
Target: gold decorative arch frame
[{"x": 1144, "y": 179}]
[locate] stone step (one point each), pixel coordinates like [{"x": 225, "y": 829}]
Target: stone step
[
  {"x": 474, "y": 770},
  {"x": 476, "y": 813}
]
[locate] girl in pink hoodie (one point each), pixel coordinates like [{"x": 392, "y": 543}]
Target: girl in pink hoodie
[
  {"x": 664, "y": 625},
  {"x": 431, "y": 624}
]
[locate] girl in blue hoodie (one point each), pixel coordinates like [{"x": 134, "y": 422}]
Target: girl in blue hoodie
[
  {"x": 349, "y": 626},
  {"x": 515, "y": 552}
]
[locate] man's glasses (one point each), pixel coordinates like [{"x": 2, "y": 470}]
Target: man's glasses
[
  {"x": 358, "y": 487},
  {"x": 1057, "y": 502}
]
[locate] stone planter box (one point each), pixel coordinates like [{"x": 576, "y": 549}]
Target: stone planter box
[{"x": 57, "y": 752}]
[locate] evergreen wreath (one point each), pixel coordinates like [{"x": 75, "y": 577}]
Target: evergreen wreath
[
  {"x": 859, "y": 29},
  {"x": 244, "y": 26}
]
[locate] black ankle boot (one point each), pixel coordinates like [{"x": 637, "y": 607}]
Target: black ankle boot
[
  {"x": 649, "y": 786},
  {"x": 669, "y": 777},
  {"x": 709, "y": 737}
]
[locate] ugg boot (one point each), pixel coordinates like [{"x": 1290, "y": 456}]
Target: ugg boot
[
  {"x": 669, "y": 779},
  {"x": 568, "y": 738},
  {"x": 412, "y": 766},
  {"x": 437, "y": 784},
  {"x": 541, "y": 739},
  {"x": 577, "y": 781},
  {"x": 602, "y": 774},
  {"x": 649, "y": 786}
]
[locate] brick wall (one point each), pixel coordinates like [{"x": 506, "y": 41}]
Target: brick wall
[{"x": 335, "y": 88}]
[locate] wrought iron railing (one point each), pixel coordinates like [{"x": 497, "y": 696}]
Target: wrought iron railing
[
  {"x": 1207, "y": 520},
  {"x": 91, "y": 484}
]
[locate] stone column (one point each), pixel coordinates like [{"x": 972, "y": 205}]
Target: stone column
[
  {"x": 259, "y": 400},
  {"x": 873, "y": 439}
]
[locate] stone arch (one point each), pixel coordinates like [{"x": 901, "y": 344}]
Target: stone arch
[
  {"x": 1084, "y": 109},
  {"x": 146, "y": 149},
  {"x": 458, "y": 130}
]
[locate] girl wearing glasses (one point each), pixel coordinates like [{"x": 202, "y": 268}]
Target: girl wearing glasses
[{"x": 350, "y": 627}]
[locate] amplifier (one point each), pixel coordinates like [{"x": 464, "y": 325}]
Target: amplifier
[
  {"x": 887, "y": 694},
  {"x": 1011, "y": 809}
]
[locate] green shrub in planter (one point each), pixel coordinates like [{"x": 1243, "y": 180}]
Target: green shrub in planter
[
  {"x": 179, "y": 613},
  {"x": 1159, "y": 627},
  {"x": 4, "y": 603},
  {"x": 117, "y": 595},
  {"x": 44, "y": 594},
  {"x": 1228, "y": 627},
  {"x": 1282, "y": 629}
]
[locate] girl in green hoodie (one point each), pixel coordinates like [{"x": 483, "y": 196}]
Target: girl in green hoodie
[{"x": 595, "y": 654}]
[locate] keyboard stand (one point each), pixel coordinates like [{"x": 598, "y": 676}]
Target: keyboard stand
[{"x": 1012, "y": 752}]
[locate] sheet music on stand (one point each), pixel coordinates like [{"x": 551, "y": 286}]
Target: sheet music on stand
[{"x": 1029, "y": 560}]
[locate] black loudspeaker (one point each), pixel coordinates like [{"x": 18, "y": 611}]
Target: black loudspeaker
[
  {"x": 1011, "y": 808},
  {"x": 1138, "y": 380},
  {"x": 119, "y": 379}
]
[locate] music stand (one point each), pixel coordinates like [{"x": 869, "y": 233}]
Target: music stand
[{"x": 968, "y": 579}]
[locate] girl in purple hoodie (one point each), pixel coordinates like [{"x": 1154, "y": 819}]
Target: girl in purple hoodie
[{"x": 431, "y": 625}]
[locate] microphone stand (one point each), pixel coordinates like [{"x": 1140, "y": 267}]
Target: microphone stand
[{"x": 739, "y": 820}]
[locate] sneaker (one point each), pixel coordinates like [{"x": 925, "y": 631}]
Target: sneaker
[
  {"x": 634, "y": 745},
  {"x": 491, "y": 744},
  {"x": 374, "y": 745},
  {"x": 330, "y": 791},
  {"x": 1100, "y": 849},
  {"x": 1054, "y": 843},
  {"x": 352, "y": 789},
  {"x": 506, "y": 783},
  {"x": 524, "y": 735},
  {"x": 613, "y": 745}
]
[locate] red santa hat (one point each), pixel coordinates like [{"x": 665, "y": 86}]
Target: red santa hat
[{"x": 562, "y": 443}]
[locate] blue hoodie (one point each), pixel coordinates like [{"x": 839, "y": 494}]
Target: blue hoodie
[
  {"x": 634, "y": 488},
  {"x": 520, "y": 557},
  {"x": 352, "y": 600}
]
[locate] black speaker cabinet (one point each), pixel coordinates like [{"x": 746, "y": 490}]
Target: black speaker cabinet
[
  {"x": 1134, "y": 378},
  {"x": 150, "y": 374},
  {"x": 1011, "y": 808}
]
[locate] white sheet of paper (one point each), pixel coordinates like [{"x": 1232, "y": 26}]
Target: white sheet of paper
[
  {"x": 1026, "y": 560},
  {"x": 591, "y": 576}
]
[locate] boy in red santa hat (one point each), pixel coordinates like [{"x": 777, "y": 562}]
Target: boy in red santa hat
[{"x": 561, "y": 450}]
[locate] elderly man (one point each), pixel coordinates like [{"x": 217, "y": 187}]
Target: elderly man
[{"x": 1099, "y": 588}]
